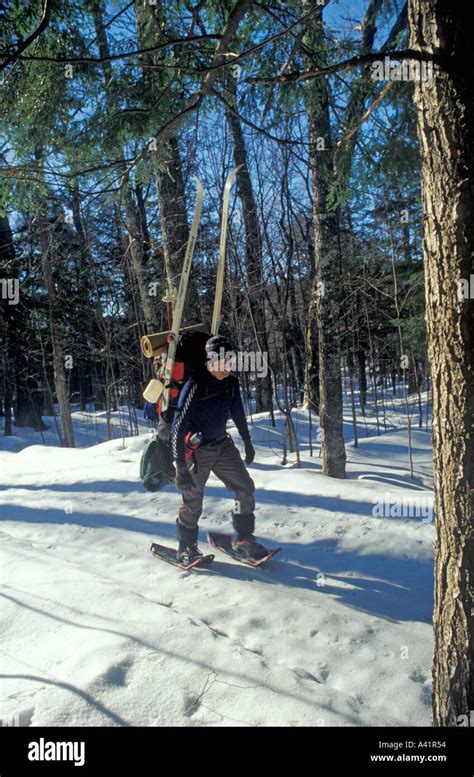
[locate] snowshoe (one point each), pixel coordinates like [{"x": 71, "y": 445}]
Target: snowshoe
[
  {"x": 171, "y": 556},
  {"x": 225, "y": 543},
  {"x": 249, "y": 549}
]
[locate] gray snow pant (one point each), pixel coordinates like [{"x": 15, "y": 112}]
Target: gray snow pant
[{"x": 224, "y": 460}]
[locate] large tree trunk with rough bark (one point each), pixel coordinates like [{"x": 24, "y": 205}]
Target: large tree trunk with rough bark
[
  {"x": 324, "y": 306},
  {"x": 446, "y": 132}
]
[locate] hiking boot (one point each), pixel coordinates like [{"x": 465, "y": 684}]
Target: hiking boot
[
  {"x": 188, "y": 555},
  {"x": 249, "y": 548}
]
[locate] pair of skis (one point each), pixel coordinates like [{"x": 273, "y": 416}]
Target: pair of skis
[{"x": 183, "y": 283}]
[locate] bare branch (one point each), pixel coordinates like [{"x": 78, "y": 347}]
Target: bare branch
[{"x": 231, "y": 109}]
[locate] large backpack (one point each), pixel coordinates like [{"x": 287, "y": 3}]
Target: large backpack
[
  {"x": 156, "y": 465},
  {"x": 190, "y": 360}
]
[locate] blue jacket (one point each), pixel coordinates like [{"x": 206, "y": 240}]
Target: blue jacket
[{"x": 205, "y": 406}]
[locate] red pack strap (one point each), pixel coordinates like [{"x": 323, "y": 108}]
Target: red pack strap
[{"x": 178, "y": 371}]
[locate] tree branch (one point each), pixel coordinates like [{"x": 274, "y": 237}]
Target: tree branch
[
  {"x": 355, "y": 115},
  {"x": 194, "y": 102},
  {"x": 231, "y": 109},
  {"x": 112, "y": 57},
  {"x": 365, "y": 59},
  {"x": 366, "y": 115},
  {"x": 24, "y": 45}
]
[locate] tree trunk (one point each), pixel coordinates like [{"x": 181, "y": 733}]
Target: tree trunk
[
  {"x": 6, "y": 369},
  {"x": 60, "y": 382},
  {"x": 253, "y": 247},
  {"x": 145, "y": 232},
  {"x": 327, "y": 282},
  {"x": 362, "y": 377},
  {"x": 150, "y": 23},
  {"x": 7, "y": 315},
  {"x": 19, "y": 386},
  {"x": 174, "y": 223},
  {"x": 312, "y": 359},
  {"x": 446, "y": 132},
  {"x": 136, "y": 249},
  {"x": 298, "y": 349}
]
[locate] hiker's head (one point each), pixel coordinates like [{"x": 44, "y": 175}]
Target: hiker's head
[{"x": 220, "y": 358}]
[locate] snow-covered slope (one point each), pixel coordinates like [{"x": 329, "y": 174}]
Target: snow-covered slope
[{"x": 335, "y": 631}]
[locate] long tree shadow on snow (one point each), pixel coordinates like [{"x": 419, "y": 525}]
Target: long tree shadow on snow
[
  {"x": 91, "y": 520},
  {"x": 170, "y": 651},
  {"x": 105, "y": 486},
  {"x": 390, "y": 587},
  {"x": 294, "y": 499}
]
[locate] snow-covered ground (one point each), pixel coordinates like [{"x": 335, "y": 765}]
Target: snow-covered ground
[{"x": 335, "y": 631}]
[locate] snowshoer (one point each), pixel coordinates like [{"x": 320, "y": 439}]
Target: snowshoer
[{"x": 206, "y": 402}]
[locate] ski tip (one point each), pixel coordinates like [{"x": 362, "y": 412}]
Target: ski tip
[{"x": 232, "y": 174}]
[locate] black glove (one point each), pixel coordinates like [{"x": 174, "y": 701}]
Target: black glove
[
  {"x": 184, "y": 480},
  {"x": 249, "y": 451}
]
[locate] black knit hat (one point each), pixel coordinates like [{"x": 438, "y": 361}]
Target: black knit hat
[{"x": 216, "y": 346}]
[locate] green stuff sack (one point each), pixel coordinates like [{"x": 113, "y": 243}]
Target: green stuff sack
[{"x": 156, "y": 465}]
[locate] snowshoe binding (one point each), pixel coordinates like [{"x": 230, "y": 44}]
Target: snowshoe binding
[
  {"x": 192, "y": 558},
  {"x": 247, "y": 551},
  {"x": 188, "y": 555}
]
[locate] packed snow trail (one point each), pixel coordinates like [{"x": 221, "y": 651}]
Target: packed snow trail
[{"x": 334, "y": 631}]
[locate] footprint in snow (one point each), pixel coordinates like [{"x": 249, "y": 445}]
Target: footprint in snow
[
  {"x": 419, "y": 676},
  {"x": 116, "y": 674}
]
